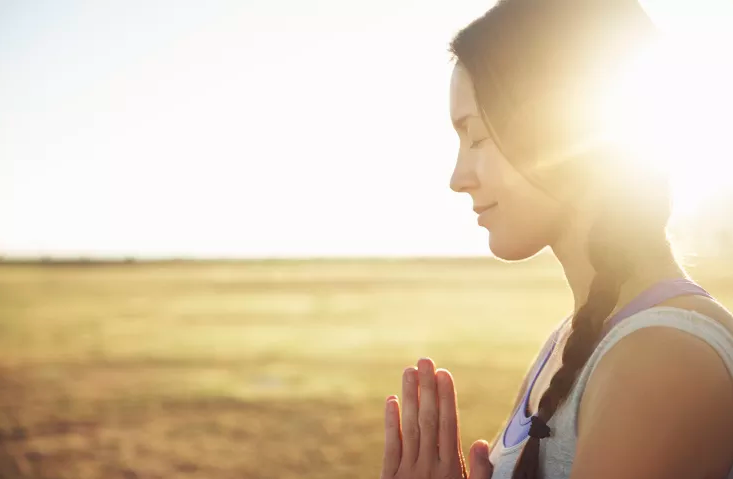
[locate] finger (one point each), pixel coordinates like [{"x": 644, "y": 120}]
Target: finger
[
  {"x": 478, "y": 459},
  {"x": 428, "y": 410},
  {"x": 447, "y": 418},
  {"x": 410, "y": 428},
  {"x": 460, "y": 456},
  {"x": 460, "y": 449},
  {"x": 393, "y": 438}
]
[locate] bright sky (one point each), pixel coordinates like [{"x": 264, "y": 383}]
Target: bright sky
[{"x": 236, "y": 128}]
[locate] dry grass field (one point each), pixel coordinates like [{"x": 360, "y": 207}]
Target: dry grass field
[{"x": 269, "y": 369}]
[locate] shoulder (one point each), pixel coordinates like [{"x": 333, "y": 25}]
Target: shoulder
[{"x": 661, "y": 397}]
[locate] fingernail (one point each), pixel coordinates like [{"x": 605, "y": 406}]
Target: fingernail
[{"x": 483, "y": 451}]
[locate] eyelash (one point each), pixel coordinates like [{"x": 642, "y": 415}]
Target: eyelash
[{"x": 476, "y": 143}]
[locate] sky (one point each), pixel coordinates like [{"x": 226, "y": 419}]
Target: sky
[{"x": 253, "y": 128}]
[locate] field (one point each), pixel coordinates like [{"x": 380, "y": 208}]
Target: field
[{"x": 270, "y": 369}]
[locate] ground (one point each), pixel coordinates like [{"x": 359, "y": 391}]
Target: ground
[{"x": 262, "y": 369}]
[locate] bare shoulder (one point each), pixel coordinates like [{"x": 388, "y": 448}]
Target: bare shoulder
[{"x": 663, "y": 400}]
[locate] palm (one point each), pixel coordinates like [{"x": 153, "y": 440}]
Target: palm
[{"x": 423, "y": 440}]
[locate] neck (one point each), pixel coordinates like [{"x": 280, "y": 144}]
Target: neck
[{"x": 572, "y": 252}]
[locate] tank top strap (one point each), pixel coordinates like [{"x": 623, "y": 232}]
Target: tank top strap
[{"x": 656, "y": 294}]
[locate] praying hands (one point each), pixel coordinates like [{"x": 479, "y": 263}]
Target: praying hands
[{"x": 422, "y": 439}]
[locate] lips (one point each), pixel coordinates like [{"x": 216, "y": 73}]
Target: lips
[{"x": 481, "y": 208}]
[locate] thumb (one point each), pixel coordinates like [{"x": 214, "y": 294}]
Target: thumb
[{"x": 478, "y": 459}]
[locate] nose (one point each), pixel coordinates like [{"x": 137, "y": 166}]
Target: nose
[{"x": 464, "y": 176}]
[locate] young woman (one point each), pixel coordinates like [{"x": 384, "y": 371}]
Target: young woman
[{"x": 637, "y": 383}]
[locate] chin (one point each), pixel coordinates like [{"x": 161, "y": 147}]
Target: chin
[{"x": 511, "y": 249}]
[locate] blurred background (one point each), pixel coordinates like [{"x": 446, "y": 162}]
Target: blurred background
[{"x": 226, "y": 229}]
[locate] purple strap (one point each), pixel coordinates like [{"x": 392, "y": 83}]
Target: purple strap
[
  {"x": 658, "y": 293},
  {"x": 519, "y": 425}
]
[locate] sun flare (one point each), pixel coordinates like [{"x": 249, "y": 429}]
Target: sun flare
[{"x": 673, "y": 107}]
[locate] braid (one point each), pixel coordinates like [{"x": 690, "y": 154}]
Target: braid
[{"x": 613, "y": 268}]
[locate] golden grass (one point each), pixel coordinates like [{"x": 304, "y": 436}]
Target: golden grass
[{"x": 270, "y": 369}]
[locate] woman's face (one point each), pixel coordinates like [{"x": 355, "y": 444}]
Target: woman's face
[{"x": 520, "y": 218}]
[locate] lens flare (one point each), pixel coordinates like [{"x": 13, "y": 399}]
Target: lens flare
[{"x": 672, "y": 106}]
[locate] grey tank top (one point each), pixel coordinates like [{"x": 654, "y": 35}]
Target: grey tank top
[{"x": 558, "y": 451}]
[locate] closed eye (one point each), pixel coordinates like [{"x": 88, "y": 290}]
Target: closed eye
[{"x": 479, "y": 142}]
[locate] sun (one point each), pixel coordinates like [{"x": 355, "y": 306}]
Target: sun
[{"x": 673, "y": 105}]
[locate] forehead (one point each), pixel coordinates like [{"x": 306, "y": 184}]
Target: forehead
[{"x": 462, "y": 96}]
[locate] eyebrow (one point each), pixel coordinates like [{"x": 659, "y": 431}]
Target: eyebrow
[{"x": 458, "y": 123}]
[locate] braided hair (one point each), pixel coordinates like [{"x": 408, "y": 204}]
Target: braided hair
[{"x": 528, "y": 60}]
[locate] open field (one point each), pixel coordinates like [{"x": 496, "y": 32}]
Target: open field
[{"x": 273, "y": 369}]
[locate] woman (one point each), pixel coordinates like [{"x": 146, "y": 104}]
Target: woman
[{"x": 637, "y": 383}]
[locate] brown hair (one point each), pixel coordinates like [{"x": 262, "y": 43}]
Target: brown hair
[{"x": 528, "y": 59}]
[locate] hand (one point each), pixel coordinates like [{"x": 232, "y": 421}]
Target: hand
[{"x": 427, "y": 443}]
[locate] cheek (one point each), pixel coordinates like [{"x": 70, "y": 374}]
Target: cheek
[
  {"x": 518, "y": 237},
  {"x": 494, "y": 176},
  {"x": 527, "y": 222}
]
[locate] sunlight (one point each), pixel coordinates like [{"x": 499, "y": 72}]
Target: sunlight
[
  {"x": 192, "y": 136},
  {"x": 672, "y": 106}
]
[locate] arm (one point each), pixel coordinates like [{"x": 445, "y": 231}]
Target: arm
[{"x": 658, "y": 405}]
